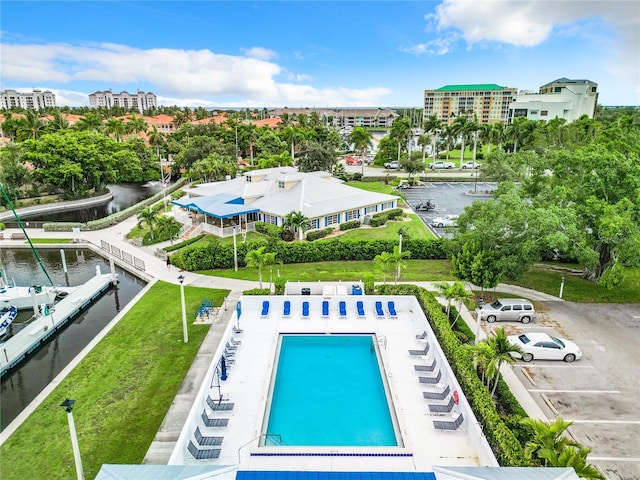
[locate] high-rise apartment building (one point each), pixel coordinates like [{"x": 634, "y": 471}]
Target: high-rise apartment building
[
  {"x": 36, "y": 100},
  {"x": 140, "y": 101},
  {"x": 484, "y": 103},
  {"x": 562, "y": 98}
]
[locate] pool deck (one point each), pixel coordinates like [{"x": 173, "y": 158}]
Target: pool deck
[{"x": 249, "y": 380}]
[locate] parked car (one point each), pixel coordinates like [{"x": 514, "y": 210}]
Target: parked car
[
  {"x": 446, "y": 221},
  {"x": 392, "y": 165},
  {"x": 508, "y": 309},
  {"x": 543, "y": 346},
  {"x": 470, "y": 164},
  {"x": 441, "y": 165},
  {"x": 352, "y": 160}
]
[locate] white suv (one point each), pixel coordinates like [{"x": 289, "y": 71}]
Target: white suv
[{"x": 508, "y": 309}]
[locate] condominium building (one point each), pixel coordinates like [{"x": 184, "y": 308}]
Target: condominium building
[
  {"x": 485, "y": 103},
  {"x": 140, "y": 101},
  {"x": 562, "y": 98},
  {"x": 343, "y": 117},
  {"x": 36, "y": 100}
]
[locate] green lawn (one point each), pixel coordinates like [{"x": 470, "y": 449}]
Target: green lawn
[
  {"x": 378, "y": 187},
  {"x": 414, "y": 228},
  {"x": 45, "y": 241},
  {"x": 123, "y": 389},
  {"x": 417, "y": 270}
]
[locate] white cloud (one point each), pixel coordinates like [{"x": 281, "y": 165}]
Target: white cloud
[
  {"x": 259, "y": 53},
  {"x": 180, "y": 75},
  {"x": 528, "y": 23},
  {"x": 438, "y": 46}
]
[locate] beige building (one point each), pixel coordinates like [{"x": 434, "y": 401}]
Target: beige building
[
  {"x": 140, "y": 101},
  {"x": 486, "y": 103},
  {"x": 353, "y": 117},
  {"x": 36, "y": 100}
]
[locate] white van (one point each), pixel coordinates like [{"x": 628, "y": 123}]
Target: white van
[{"x": 508, "y": 309}]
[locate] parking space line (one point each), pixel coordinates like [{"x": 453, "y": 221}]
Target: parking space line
[
  {"x": 613, "y": 459},
  {"x": 450, "y": 186},
  {"x": 622, "y": 422},
  {"x": 573, "y": 391},
  {"x": 552, "y": 366}
]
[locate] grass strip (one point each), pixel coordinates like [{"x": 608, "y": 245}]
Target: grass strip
[
  {"x": 50, "y": 240},
  {"x": 123, "y": 389}
]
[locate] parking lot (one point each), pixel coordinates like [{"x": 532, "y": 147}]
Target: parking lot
[
  {"x": 449, "y": 198},
  {"x": 600, "y": 393}
]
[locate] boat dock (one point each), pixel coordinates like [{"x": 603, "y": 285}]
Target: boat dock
[{"x": 22, "y": 344}]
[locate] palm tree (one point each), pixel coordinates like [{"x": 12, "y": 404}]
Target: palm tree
[
  {"x": 156, "y": 138},
  {"x": 432, "y": 125},
  {"x": 503, "y": 350},
  {"x": 398, "y": 260},
  {"x": 446, "y": 290},
  {"x": 449, "y": 135},
  {"x": 147, "y": 218},
  {"x": 361, "y": 139},
  {"x": 547, "y": 436},
  {"x": 167, "y": 226},
  {"x": 486, "y": 133},
  {"x": 484, "y": 359},
  {"x": 256, "y": 259},
  {"x": 499, "y": 133},
  {"x": 136, "y": 124},
  {"x": 31, "y": 126},
  {"x": 386, "y": 262},
  {"x": 401, "y": 132},
  {"x": 91, "y": 122},
  {"x": 575, "y": 457},
  {"x": 270, "y": 261},
  {"x": 296, "y": 222},
  {"x": 57, "y": 123},
  {"x": 115, "y": 127}
]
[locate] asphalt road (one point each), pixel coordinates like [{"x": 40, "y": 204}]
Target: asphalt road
[{"x": 600, "y": 393}]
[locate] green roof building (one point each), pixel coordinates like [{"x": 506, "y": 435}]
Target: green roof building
[{"x": 482, "y": 102}]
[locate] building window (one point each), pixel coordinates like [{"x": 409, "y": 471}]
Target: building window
[
  {"x": 557, "y": 89},
  {"x": 533, "y": 112},
  {"x": 593, "y": 89},
  {"x": 371, "y": 209},
  {"x": 543, "y": 113},
  {"x": 314, "y": 224},
  {"x": 280, "y": 184},
  {"x": 332, "y": 219},
  {"x": 387, "y": 205},
  {"x": 272, "y": 219},
  {"x": 352, "y": 215}
]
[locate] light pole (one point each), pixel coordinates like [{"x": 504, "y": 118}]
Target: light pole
[
  {"x": 478, "y": 308},
  {"x": 68, "y": 406},
  {"x": 235, "y": 249},
  {"x": 184, "y": 310},
  {"x": 399, "y": 253}
]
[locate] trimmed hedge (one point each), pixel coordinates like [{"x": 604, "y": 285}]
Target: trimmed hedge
[
  {"x": 350, "y": 225},
  {"x": 257, "y": 291},
  {"x": 316, "y": 234},
  {"x": 178, "y": 246},
  {"x": 505, "y": 445},
  {"x": 268, "y": 229},
  {"x": 212, "y": 255}
]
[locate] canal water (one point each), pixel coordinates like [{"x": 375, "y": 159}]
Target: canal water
[
  {"x": 124, "y": 196},
  {"x": 20, "y": 387}
]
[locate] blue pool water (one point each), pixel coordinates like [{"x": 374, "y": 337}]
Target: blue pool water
[{"x": 328, "y": 392}]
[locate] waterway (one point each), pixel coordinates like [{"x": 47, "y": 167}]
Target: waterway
[
  {"x": 21, "y": 386},
  {"x": 124, "y": 196}
]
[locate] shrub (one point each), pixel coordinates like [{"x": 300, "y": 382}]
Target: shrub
[
  {"x": 378, "y": 221},
  {"x": 394, "y": 213},
  {"x": 350, "y": 225},
  {"x": 316, "y": 234},
  {"x": 268, "y": 229},
  {"x": 279, "y": 284},
  {"x": 178, "y": 246},
  {"x": 257, "y": 291},
  {"x": 503, "y": 441},
  {"x": 2, "y": 226}
]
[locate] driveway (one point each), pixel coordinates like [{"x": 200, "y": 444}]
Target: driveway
[{"x": 600, "y": 393}]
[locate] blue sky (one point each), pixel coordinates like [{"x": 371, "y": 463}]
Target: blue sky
[{"x": 316, "y": 54}]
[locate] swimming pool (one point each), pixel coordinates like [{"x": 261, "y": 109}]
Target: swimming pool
[{"x": 328, "y": 391}]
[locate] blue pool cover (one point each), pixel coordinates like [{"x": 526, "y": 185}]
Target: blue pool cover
[{"x": 266, "y": 475}]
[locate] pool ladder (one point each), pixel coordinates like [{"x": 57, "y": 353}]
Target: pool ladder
[{"x": 382, "y": 341}]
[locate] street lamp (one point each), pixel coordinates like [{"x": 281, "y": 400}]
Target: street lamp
[
  {"x": 399, "y": 252},
  {"x": 68, "y": 406},
  {"x": 478, "y": 308},
  {"x": 184, "y": 310},
  {"x": 235, "y": 248}
]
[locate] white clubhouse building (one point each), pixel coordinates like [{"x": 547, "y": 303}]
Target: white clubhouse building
[{"x": 269, "y": 195}]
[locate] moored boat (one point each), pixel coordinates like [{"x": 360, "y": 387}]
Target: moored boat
[
  {"x": 7, "y": 315},
  {"x": 23, "y": 297}
]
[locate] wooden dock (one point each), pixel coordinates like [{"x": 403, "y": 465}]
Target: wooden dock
[{"x": 22, "y": 344}]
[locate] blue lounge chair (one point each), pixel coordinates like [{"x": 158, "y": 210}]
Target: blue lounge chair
[
  {"x": 286, "y": 309},
  {"x": 360, "y": 309},
  {"x": 305, "y": 309},
  {"x": 379, "y": 311},
  {"x": 325, "y": 309},
  {"x": 392, "y": 310},
  {"x": 265, "y": 309},
  {"x": 343, "y": 309}
]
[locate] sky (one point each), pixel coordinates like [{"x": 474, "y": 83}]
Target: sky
[{"x": 253, "y": 54}]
